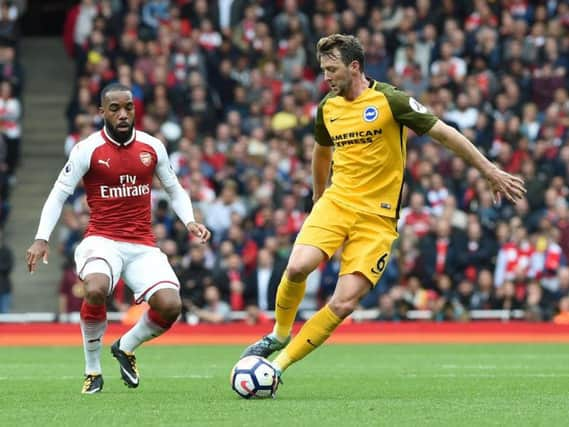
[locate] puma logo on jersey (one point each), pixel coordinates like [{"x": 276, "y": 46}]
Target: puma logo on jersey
[{"x": 107, "y": 162}]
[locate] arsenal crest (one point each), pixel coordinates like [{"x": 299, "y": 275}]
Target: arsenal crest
[{"x": 145, "y": 158}]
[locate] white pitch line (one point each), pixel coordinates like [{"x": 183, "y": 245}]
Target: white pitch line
[
  {"x": 453, "y": 375},
  {"x": 66, "y": 377}
]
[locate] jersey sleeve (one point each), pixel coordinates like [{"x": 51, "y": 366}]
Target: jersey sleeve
[
  {"x": 181, "y": 202},
  {"x": 321, "y": 134},
  {"x": 408, "y": 111},
  {"x": 76, "y": 167},
  {"x": 164, "y": 169}
]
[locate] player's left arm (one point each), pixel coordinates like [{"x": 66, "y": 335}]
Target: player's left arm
[
  {"x": 409, "y": 112},
  {"x": 180, "y": 199},
  {"x": 502, "y": 183}
]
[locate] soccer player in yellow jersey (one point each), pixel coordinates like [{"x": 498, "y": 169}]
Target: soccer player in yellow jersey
[{"x": 361, "y": 126}]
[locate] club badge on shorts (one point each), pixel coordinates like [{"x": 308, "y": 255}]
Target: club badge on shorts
[{"x": 146, "y": 158}]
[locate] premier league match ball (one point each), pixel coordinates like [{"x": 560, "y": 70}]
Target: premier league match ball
[{"x": 253, "y": 377}]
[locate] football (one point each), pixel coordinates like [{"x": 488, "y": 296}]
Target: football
[{"x": 253, "y": 377}]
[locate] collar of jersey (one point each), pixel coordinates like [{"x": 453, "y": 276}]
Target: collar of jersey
[{"x": 107, "y": 137}]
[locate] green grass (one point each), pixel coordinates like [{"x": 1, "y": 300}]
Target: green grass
[{"x": 340, "y": 385}]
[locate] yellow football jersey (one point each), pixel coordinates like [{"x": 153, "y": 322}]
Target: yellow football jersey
[{"x": 369, "y": 136}]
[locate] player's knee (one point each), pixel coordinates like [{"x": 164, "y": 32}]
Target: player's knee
[
  {"x": 168, "y": 305},
  {"x": 172, "y": 310},
  {"x": 342, "y": 308},
  {"x": 95, "y": 291},
  {"x": 297, "y": 271}
]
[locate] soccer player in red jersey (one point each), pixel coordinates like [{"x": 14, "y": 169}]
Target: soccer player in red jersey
[{"x": 117, "y": 165}]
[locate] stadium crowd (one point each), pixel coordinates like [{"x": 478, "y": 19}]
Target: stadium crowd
[
  {"x": 231, "y": 88},
  {"x": 11, "y": 89}
]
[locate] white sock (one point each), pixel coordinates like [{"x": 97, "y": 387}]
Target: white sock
[
  {"x": 144, "y": 330},
  {"x": 92, "y": 344}
]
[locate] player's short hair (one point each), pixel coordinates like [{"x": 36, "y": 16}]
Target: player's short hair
[
  {"x": 113, "y": 87},
  {"x": 349, "y": 47}
]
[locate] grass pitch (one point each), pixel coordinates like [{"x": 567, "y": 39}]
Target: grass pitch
[{"x": 340, "y": 385}]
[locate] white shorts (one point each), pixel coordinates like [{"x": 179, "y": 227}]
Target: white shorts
[{"x": 145, "y": 269}]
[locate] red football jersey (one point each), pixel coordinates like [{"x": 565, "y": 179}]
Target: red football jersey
[{"x": 118, "y": 183}]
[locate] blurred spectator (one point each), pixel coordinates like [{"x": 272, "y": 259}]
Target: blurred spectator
[
  {"x": 6, "y": 267},
  {"x": 10, "y": 126},
  {"x": 71, "y": 291},
  {"x": 195, "y": 278},
  {"x": 438, "y": 253},
  {"x": 387, "y": 309},
  {"x": 9, "y": 29},
  {"x": 4, "y": 184},
  {"x": 218, "y": 213},
  {"x": 416, "y": 216},
  {"x": 11, "y": 70},
  {"x": 261, "y": 284},
  {"x": 514, "y": 256},
  {"x": 534, "y": 306},
  {"x": 215, "y": 309},
  {"x": 474, "y": 252},
  {"x": 229, "y": 280},
  {"x": 483, "y": 296}
]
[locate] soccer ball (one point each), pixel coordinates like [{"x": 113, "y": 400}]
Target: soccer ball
[{"x": 253, "y": 376}]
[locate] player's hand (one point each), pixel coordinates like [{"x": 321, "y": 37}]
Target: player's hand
[
  {"x": 38, "y": 250},
  {"x": 504, "y": 184},
  {"x": 200, "y": 231}
]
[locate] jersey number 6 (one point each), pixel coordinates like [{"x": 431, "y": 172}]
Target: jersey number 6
[{"x": 380, "y": 265}]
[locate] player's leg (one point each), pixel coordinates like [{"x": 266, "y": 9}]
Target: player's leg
[
  {"x": 303, "y": 260},
  {"x": 98, "y": 267},
  {"x": 322, "y": 233},
  {"x": 364, "y": 257},
  {"x": 151, "y": 278},
  {"x": 349, "y": 290},
  {"x": 165, "y": 308}
]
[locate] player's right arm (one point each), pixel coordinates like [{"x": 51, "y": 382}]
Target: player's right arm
[
  {"x": 321, "y": 154},
  {"x": 321, "y": 161},
  {"x": 64, "y": 186}
]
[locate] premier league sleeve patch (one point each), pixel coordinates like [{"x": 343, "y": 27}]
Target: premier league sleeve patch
[
  {"x": 67, "y": 168},
  {"x": 417, "y": 106}
]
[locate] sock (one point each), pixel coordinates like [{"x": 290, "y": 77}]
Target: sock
[
  {"x": 289, "y": 296},
  {"x": 150, "y": 325},
  {"x": 313, "y": 334},
  {"x": 93, "y": 321}
]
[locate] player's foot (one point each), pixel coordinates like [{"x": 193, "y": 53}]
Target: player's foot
[
  {"x": 277, "y": 383},
  {"x": 127, "y": 362},
  {"x": 92, "y": 384},
  {"x": 265, "y": 346}
]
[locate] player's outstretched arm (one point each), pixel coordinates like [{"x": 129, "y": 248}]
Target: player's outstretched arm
[
  {"x": 48, "y": 219},
  {"x": 502, "y": 183},
  {"x": 64, "y": 186}
]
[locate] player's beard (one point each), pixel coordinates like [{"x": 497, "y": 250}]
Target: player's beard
[
  {"x": 119, "y": 136},
  {"x": 343, "y": 86}
]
